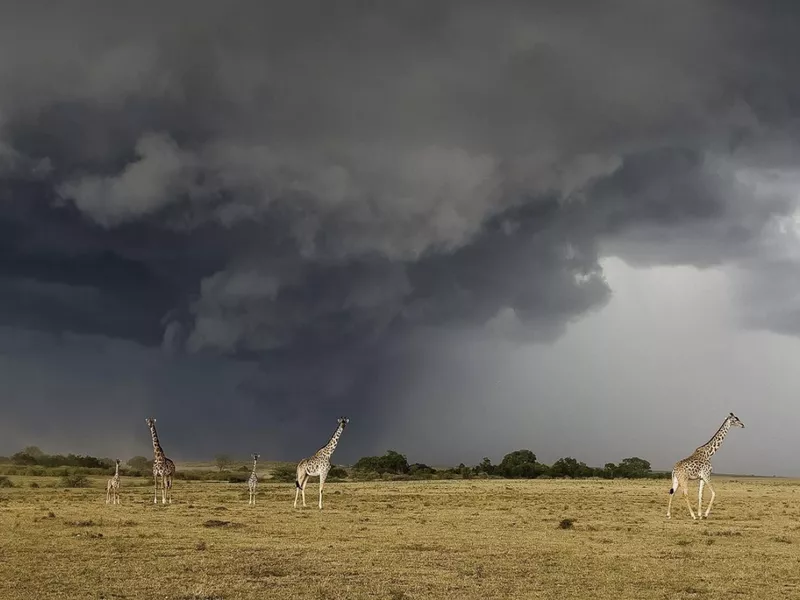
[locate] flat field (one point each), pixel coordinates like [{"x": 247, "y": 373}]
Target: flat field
[{"x": 401, "y": 540}]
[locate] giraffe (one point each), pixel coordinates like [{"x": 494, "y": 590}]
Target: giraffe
[
  {"x": 112, "y": 487},
  {"x": 318, "y": 465},
  {"x": 698, "y": 466},
  {"x": 161, "y": 466},
  {"x": 253, "y": 481}
]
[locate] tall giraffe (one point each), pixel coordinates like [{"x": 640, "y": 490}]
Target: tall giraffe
[
  {"x": 318, "y": 465},
  {"x": 253, "y": 481},
  {"x": 698, "y": 466},
  {"x": 161, "y": 466},
  {"x": 112, "y": 487}
]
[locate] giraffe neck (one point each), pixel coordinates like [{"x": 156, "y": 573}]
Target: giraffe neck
[
  {"x": 157, "y": 451},
  {"x": 255, "y": 460},
  {"x": 328, "y": 449},
  {"x": 116, "y": 473},
  {"x": 710, "y": 447}
]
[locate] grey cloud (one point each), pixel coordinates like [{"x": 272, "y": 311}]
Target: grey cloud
[
  {"x": 143, "y": 187},
  {"x": 308, "y": 187}
]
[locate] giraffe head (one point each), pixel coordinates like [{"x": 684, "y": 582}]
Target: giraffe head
[
  {"x": 118, "y": 462},
  {"x": 255, "y": 456},
  {"x": 734, "y": 421},
  {"x": 150, "y": 421},
  {"x": 343, "y": 421}
]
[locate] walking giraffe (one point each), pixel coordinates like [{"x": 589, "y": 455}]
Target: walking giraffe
[
  {"x": 318, "y": 465},
  {"x": 253, "y": 481},
  {"x": 698, "y": 466},
  {"x": 112, "y": 487},
  {"x": 161, "y": 466}
]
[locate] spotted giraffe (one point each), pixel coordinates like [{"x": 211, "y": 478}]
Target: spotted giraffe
[
  {"x": 253, "y": 481},
  {"x": 318, "y": 465},
  {"x": 698, "y": 466},
  {"x": 162, "y": 466},
  {"x": 112, "y": 487}
]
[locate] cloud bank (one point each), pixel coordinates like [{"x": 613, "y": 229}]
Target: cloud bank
[{"x": 328, "y": 196}]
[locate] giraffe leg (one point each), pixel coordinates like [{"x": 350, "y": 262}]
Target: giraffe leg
[
  {"x": 321, "y": 483},
  {"x": 700, "y": 499},
  {"x": 673, "y": 491},
  {"x": 155, "y": 489},
  {"x": 303, "y": 489},
  {"x": 688, "y": 504},
  {"x": 164, "y": 488},
  {"x": 169, "y": 489},
  {"x": 296, "y": 494},
  {"x": 676, "y": 484},
  {"x": 711, "y": 501}
]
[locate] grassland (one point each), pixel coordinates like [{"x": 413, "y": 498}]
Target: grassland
[{"x": 401, "y": 540}]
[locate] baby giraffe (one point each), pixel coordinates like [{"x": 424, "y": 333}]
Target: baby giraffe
[
  {"x": 698, "y": 466},
  {"x": 112, "y": 488},
  {"x": 318, "y": 465},
  {"x": 253, "y": 481}
]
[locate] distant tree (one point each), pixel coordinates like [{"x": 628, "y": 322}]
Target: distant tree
[
  {"x": 570, "y": 467},
  {"x": 223, "y": 461},
  {"x": 140, "y": 463},
  {"x": 486, "y": 466},
  {"x": 284, "y": 473},
  {"x": 22, "y": 458},
  {"x": 337, "y": 473},
  {"x": 519, "y": 464},
  {"x": 391, "y": 462},
  {"x": 33, "y": 451},
  {"x": 420, "y": 469},
  {"x": 608, "y": 471},
  {"x": 633, "y": 467}
]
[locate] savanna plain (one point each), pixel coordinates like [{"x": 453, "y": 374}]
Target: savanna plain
[{"x": 464, "y": 539}]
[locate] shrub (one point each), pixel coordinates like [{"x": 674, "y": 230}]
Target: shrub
[
  {"x": 73, "y": 481},
  {"x": 140, "y": 463},
  {"x": 337, "y": 473},
  {"x": 238, "y": 477},
  {"x": 5, "y": 482},
  {"x": 284, "y": 473},
  {"x": 566, "y": 523}
]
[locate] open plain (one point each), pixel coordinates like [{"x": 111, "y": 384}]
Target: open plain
[{"x": 465, "y": 539}]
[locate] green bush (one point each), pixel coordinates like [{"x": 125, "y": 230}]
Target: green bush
[{"x": 5, "y": 482}]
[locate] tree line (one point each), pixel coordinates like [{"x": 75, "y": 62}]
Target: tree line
[{"x": 520, "y": 464}]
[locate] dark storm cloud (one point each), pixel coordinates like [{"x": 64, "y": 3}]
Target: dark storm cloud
[{"x": 306, "y": 185}]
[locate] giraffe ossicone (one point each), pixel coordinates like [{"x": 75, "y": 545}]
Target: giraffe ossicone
[
  {"x": 698, "y": 466},
  {"x": 318, "y": 465}
]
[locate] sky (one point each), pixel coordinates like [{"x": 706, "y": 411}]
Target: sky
[{"x": 469, "y": 227}]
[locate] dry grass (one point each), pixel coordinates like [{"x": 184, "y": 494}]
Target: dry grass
[{"x": 421, "y": 540}]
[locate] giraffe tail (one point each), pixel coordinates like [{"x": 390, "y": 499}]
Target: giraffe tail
[
  {"x": 674, "y": 484},
  {"x": 297, "y": 484}
]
